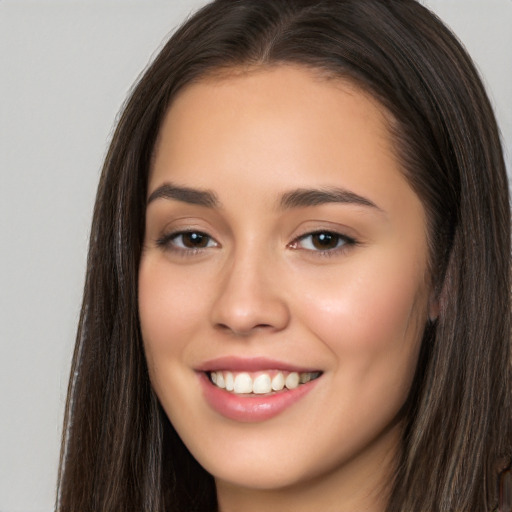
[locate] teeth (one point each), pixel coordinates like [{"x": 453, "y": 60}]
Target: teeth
[
  {"x": 262, "y": 383},
  {"x": 243, "y": 383},
  {"x": 221, "y": 383},
  {"x": 278, "y": 382},
  {"x": 292, "y": 380},
  {"x": 304, "y": 377},
  {"x": 230, "y": 384}
]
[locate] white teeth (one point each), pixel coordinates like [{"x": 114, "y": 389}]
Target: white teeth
[
  {"x": 292, "y": 380},
  {"x": 230, "y": 383},
  {"x": 278, "y": 382},
  {"x": 221, "y": 383},
  {"x": 262, "y": 383},
  {"x": 243, "y": 383}
]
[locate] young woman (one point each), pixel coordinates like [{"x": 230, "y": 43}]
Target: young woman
[{"x": 297, "y": 294}]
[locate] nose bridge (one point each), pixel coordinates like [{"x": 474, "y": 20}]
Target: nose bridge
[{"x": 249, "y": 295}]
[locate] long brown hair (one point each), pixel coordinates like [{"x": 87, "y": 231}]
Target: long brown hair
[{"x": 119, "y": 451}]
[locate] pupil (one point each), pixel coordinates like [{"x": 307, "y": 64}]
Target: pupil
[
  {"x": 325, "y": 240},
  {"x": 195, "y": 240}
]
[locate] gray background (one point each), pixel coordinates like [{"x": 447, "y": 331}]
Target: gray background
[{"x": 66, "y": 68}]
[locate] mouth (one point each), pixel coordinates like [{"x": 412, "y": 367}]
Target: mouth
[
  {"x": 255, "y": 389},
  {"x": 266, "y": 382}
]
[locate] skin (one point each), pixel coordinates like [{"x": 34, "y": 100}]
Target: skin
[{"x": 261, "y": 287}]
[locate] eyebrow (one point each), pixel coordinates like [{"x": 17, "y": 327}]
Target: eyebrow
[
  {"x": 299, "y": 198},
  {"x": 185, "y": 194},
  {"x": 302, "y": 198}
]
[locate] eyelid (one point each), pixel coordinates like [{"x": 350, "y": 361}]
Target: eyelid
[
  {"x": 166, "y": 241},
  {"x": 345, "y": 240}
]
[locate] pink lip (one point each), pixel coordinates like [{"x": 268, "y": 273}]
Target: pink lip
[
  {"x": 237, "y": 364},
  {"x": 253, "y": 408}
]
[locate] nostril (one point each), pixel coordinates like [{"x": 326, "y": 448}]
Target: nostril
[{"x": 240, "y": 330}]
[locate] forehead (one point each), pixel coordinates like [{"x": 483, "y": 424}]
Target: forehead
[
  {"x": 293, "y": 88},
  {"x": 287, "y": 125},
  {"x": 280, "y": 94}
]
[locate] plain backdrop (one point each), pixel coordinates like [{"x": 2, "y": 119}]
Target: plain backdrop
[{"x": 65, "y": 70}]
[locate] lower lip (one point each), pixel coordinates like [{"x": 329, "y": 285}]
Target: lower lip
[{"x": 253, "y": 408}]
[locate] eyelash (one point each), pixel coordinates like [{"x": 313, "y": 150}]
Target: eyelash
[
  {"x": 343, "y": 242},
  {"x": 168, "y": 242}
]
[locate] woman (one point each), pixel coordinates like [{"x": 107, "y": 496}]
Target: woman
[{"x": 298, "y": 283}]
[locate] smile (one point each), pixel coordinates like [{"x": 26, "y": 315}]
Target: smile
[{"x": 261, "y": 382}]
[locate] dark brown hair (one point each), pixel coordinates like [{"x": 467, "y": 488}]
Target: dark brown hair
[{"x": 120, "y": 453}]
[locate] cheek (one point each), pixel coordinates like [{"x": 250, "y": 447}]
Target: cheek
[
  {"x": 168, "y": 312},
  {"x": 372, "y": 316}
]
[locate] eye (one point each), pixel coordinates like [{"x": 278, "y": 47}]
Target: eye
[
  {"x": 322, "y": 241},
  {"x": 187, "y": 241}
]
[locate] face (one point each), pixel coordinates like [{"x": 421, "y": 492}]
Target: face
[{"x": 283, "y": 285}]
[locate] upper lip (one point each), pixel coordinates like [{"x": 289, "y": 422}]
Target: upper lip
[{"x": 253, "y": 364}]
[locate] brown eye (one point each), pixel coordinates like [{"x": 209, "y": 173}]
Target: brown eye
[
  {"x": 186, "y": 241},
  {"x": 323, "y": 241},
  {"x": 194, "y": 240}
]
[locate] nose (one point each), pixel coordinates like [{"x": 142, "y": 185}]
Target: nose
[{"x": 250, "y": 297}]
